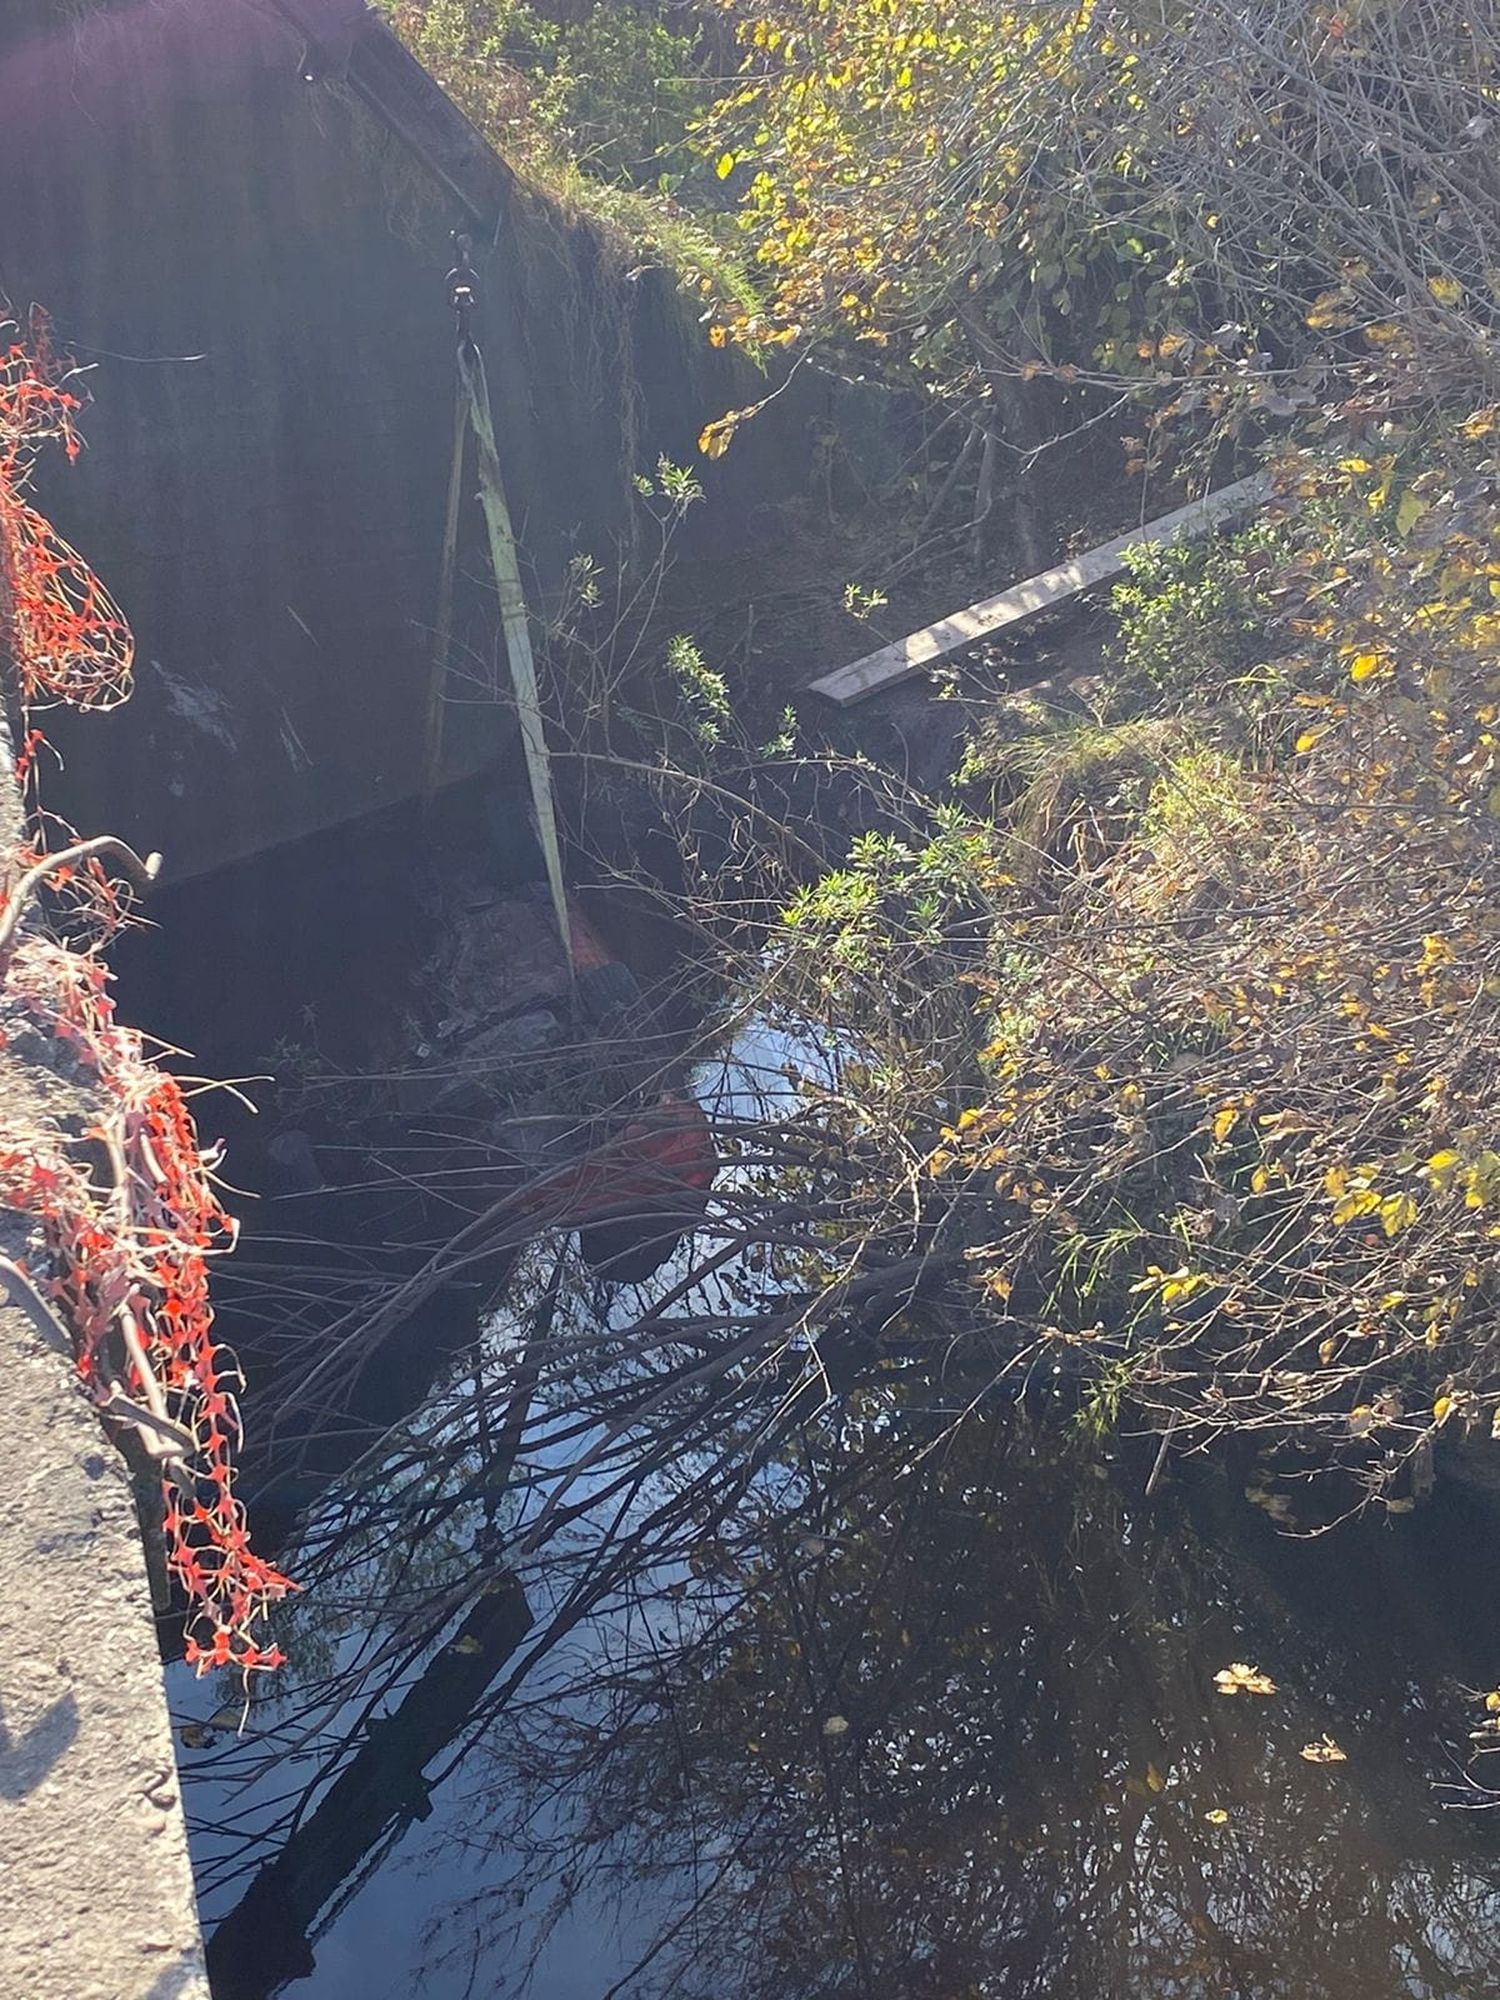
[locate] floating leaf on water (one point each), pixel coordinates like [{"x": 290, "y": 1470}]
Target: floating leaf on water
[
  {"x": 1241, "y": 1678},
  {"x": 1276, "y": 1505},
  {"x": 1324, "y": 1751},
  {"x": 1217, "y": 1816}
]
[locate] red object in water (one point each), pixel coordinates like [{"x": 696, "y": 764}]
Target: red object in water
[
  {"x": 590, "y": 952},
  {"x": 671, "y": 1145},
  {"x": 664, "y": 1159},
  {"x": 632, "y": 1197}
]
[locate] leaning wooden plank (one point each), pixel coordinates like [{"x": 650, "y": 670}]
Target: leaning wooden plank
[{"x": 1054, "y": 586}]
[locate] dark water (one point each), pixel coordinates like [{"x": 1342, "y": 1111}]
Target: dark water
[
  {"x": 918, "y": 1711},
  {"x": 840, "y": 1689}
]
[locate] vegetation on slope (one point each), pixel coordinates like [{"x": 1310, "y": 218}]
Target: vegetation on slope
[
  {"x": 593, "y": 102},
  {"x": 1172, "y": 1023},
  {"x": 1213, "y": 1105}
]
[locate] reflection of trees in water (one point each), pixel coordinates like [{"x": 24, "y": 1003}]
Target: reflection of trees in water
[
  {"x": 962, "y": 1739},
  {"x": 689, "y": 1599}
]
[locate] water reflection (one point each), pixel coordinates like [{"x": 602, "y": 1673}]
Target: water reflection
[
  {"x": 960, "y": 1736},
  {"x": 638, "y": 1665}
]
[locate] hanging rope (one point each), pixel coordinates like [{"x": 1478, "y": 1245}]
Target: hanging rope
[
  {"x": 442, "y": 629},
  {"x": 473, "y": 414}
]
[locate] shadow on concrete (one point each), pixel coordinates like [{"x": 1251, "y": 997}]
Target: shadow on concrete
[{"x": 26, "y": 1760}]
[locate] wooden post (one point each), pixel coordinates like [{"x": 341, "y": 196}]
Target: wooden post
[
  {"x": 908, "y": 656},
  {"x": 442, "y": 631}
]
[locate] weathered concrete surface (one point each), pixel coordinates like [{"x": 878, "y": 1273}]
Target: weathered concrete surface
[
  {"x": 96, "y": 1896},
  {"x": 253, "y": 265}
]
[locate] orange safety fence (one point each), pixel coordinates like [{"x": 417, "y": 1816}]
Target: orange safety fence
[
  {"x": 128, "y": 1259},
  {"x": 59, "y": 626}
]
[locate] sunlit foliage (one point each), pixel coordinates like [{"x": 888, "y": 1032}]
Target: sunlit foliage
[
  {"x": 1239, "y": 196},
  {"x": 1232, "y": 1141}
]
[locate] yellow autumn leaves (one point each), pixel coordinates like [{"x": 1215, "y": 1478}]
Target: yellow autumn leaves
[
  {"x": 1236, "y": 1114},
  {"x": 1242, "y": 1678},
  {"x": 715, "y": 438},
  {"x": 1172, "y": 1288},
  {"x": 1355, "y": 1195},
  {"x": 1323, "y": 1751},
  {"x": 1478, "y": 1176}
]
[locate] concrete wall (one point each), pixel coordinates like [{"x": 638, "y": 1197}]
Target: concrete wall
[{"x": 253, "y": 264}]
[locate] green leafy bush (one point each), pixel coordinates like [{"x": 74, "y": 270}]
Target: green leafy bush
[
  {"x": 1193, "y": 617},
  {"x": 612, "y": 90}
]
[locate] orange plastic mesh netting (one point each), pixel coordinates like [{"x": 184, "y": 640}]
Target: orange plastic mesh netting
[
  {"x": 60, "y": 627},
  {"x": 129, "y": 1263}
]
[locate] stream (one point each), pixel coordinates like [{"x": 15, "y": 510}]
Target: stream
[{"x": 908, "y": 1694}]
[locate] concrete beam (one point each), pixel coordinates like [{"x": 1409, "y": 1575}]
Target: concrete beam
[{"x": 904, "y": 657}]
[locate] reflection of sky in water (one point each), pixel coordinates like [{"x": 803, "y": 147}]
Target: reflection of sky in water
[
  {"x": 377, "y": 1947},
  {"x": 371, "y": 1954},
  {"x": 374, "y": 1946},
  {"x": 374, "y": 1949},
  {"x": 757, "y": 1078}
]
